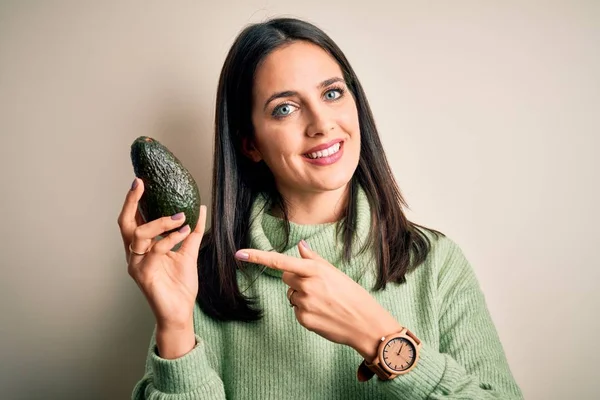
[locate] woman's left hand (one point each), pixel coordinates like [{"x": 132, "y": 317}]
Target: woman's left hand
[{"x": 327, "y": 302}]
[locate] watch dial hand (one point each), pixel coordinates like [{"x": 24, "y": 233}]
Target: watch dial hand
[{"x": 400, "y": 349}]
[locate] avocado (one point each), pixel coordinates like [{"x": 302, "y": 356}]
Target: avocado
[{"x": 169, "y": 188}]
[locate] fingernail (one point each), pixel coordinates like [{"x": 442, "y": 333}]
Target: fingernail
[
  {"x": 134, "y": 184},
  {"x": 178, "y": 216},
  {"x": 303, "y": 243},
  {"x": 240, "y": 255},
  {"x": 184, "y": 229}
]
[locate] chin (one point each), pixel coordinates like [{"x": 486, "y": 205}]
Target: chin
[{"x": 335, "y": 182}]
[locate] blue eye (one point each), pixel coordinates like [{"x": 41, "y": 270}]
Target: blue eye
[
  {"x": 283, "y": 110},
  {"x": 334, "y": 94}
]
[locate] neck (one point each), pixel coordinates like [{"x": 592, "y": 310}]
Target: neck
[{"x": 312, "y": 208}]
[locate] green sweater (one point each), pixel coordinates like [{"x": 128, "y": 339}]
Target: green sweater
[{"x": 277, "y": 358}]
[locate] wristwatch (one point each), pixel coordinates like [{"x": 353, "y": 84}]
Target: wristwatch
[{"x": 397, "y": 354}]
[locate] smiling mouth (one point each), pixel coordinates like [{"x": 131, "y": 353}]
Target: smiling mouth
[{"x": 331, "y": 150}]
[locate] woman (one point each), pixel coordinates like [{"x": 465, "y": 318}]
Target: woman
[{"x": 306, "y": 213}]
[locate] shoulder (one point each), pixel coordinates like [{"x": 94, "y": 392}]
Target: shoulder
[
  {"x": 445, "y": 259},
  {"x": 440, "y": 246}
]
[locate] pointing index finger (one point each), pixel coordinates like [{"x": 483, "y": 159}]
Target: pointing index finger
[{"x": 276, "y": 260}]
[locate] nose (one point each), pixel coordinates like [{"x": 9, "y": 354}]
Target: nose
[{"x": 320, "y": 121}]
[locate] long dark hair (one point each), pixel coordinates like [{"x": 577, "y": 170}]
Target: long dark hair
[{"x": 398, "y": 245}]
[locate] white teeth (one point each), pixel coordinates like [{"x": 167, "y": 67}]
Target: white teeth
[{"x": 325, "y": 153}]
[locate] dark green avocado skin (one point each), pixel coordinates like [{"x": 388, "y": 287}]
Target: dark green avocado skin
[{"x": 169, "y": 187}]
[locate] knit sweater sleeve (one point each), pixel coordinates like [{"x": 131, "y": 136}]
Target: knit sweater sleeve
[
  {"x": 470, "y": 362},
  {"x": 190, "y": 377}
]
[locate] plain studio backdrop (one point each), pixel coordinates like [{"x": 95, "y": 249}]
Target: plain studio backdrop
[{"x": 488, "y": 111}]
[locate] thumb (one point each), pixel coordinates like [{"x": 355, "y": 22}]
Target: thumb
[
  {"x": 191, "y": 244},
  {"x": 307, "y": 252}
]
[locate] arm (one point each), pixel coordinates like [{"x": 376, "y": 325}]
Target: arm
[
  {"x": 188, "y": 377},
  {"x": 470, "y": 363}
]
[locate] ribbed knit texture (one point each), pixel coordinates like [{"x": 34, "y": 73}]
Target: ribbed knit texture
[{"x": 277, "y": 358}]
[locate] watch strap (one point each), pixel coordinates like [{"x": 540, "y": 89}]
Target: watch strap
[
  {"x": 379, "y": 371},
  {"x": 364, "y": 373}
]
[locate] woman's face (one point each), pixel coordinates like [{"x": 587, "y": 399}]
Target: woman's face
[{"x": 305, "y": 121}]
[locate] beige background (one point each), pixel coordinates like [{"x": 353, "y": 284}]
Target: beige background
[{"x": 488, "y": 111}]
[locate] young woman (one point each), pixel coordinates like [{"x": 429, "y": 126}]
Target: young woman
[{"x": 311, "y": 283}]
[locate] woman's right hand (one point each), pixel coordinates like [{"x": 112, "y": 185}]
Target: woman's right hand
[{"x": 168, "y": 279}]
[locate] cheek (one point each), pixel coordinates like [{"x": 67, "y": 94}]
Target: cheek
[
  {"x": 350, "y": 124},
  {"x": 348, "y": 119},
  {"x": 275, "y": 144}
]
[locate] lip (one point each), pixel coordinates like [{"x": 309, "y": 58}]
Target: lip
[
  {"x": 329, "y": 160},
  {"x": 323, "y": 146}
]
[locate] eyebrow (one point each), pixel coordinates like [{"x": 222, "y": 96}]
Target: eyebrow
[{"x": 289, "y": 93}]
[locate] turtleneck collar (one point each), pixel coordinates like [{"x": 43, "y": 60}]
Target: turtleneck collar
[{"x": 268, "y": 233}]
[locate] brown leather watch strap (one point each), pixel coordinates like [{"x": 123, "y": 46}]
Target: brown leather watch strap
[{"x": 364, "y": 373}]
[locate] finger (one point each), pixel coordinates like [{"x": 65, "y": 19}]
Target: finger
[
  {"x": 291, "y": 279},
  {"x": 165, "y": 245},
  {"x": 306, "y": 252},
  {"x": 127, "y": 218},
  {"x": 291, "y": 293},
  {"x": 136, "y": 254},
  {"x": 298, "y": 300},
  {"x": 138, "y": 218},
  {"x": 277, "y": 261},
  {"x": 134, "y": 258},
  {"x": 191, "y": 245},
  {"x": 144, "y": 234}
]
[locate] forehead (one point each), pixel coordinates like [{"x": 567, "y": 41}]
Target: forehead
[{"x": 296, "y": 66}]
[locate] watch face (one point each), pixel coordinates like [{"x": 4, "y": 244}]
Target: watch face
[{"x": 399, "y": 354}]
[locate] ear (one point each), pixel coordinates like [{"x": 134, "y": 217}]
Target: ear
[{"x": 250, "y": 150}]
